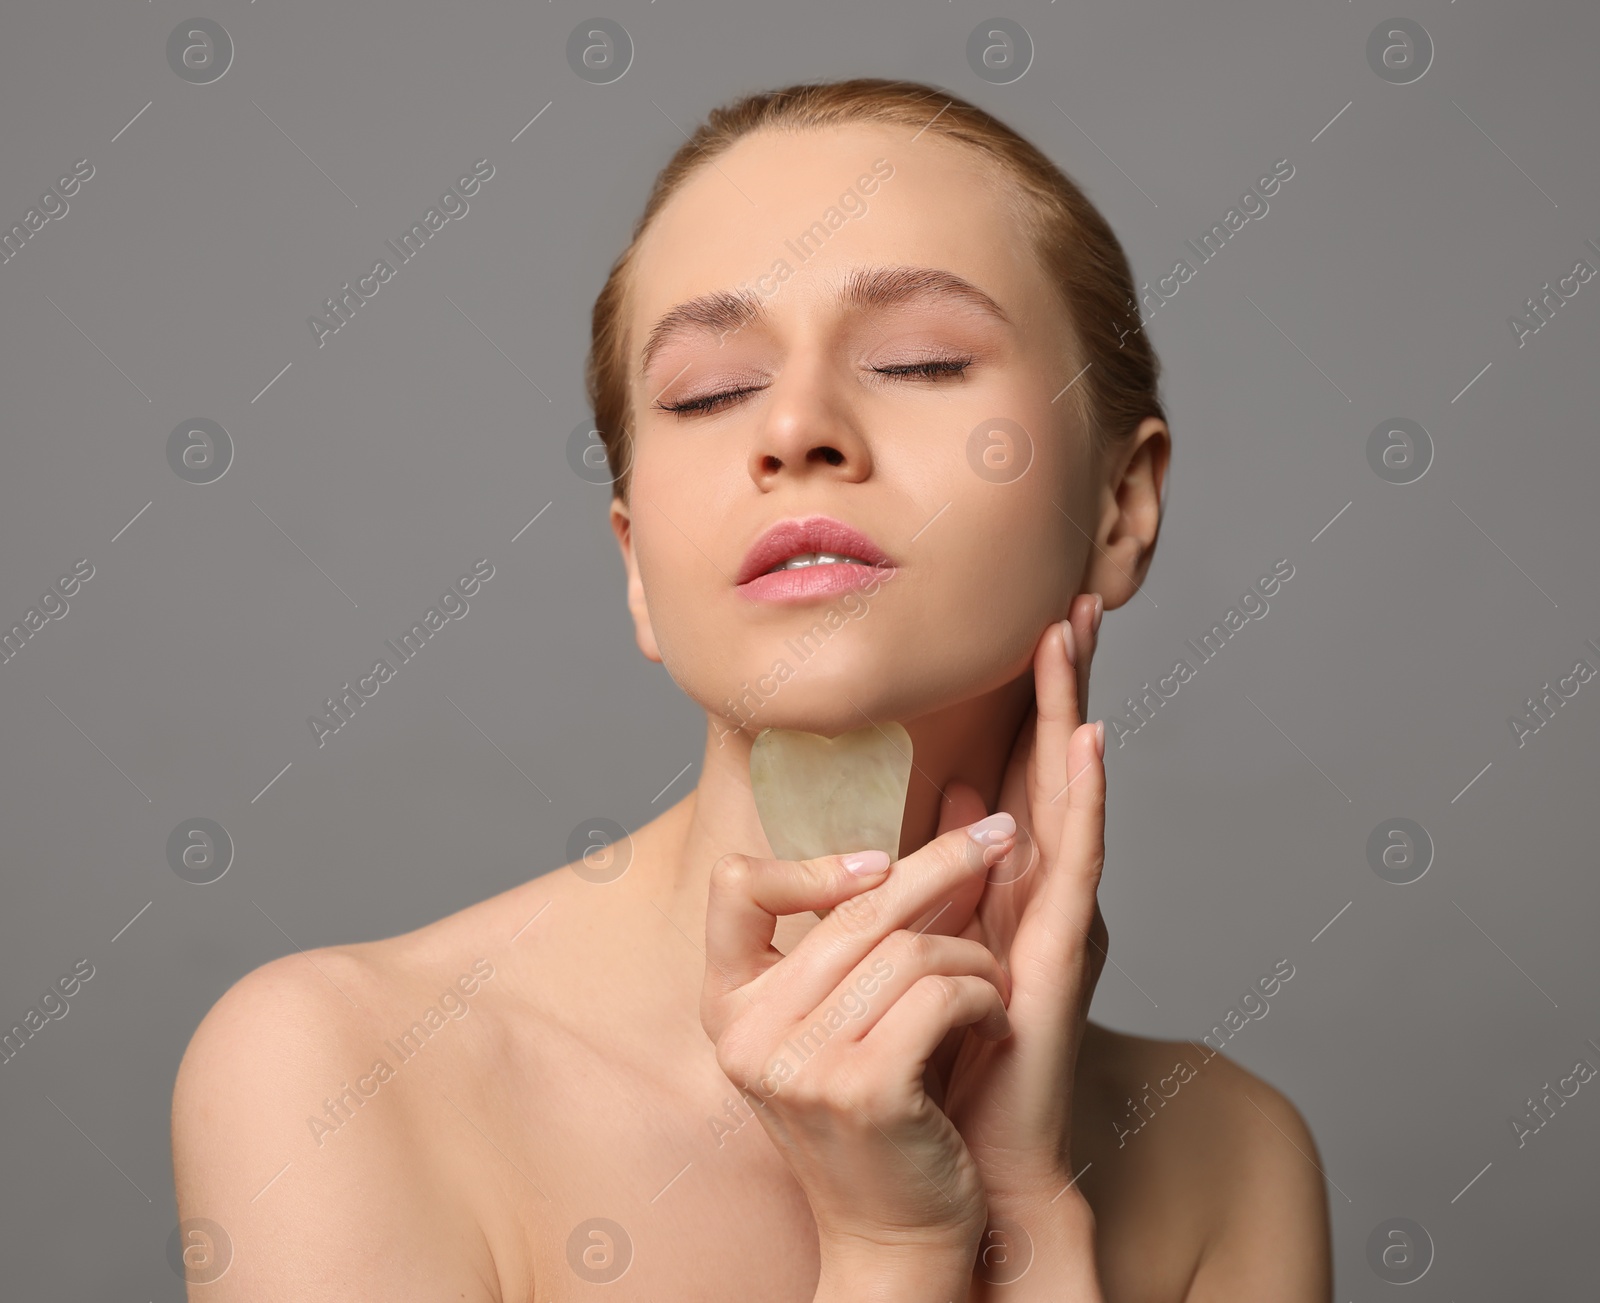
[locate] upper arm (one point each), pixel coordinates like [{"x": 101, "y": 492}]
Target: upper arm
[
  {"x": 312, "y": 1210},
  {"x": 1270, "y": 1243}
]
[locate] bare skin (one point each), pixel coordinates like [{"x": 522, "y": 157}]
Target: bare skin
[
  {"x": 572, "y": 1074},
  {"x": 580, "y": 1084}
]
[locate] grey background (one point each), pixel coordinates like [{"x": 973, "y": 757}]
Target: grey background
[{"x": 429, "y": 431}]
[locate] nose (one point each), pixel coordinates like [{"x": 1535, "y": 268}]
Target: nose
[{"x": 806, "y": 433}]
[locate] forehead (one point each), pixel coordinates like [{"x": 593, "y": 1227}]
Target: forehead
[{"x": 821, "y": 202}]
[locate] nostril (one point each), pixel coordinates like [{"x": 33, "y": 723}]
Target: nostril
[{"x": 772, "y": 463}]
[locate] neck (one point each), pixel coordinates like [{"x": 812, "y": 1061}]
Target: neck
[{"x": 970, "y": 741}]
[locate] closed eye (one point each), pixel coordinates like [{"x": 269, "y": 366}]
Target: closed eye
[{"x": 933, "y": 369}]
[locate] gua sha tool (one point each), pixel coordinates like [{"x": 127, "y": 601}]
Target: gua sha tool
[{"x": 820, "y": 795}]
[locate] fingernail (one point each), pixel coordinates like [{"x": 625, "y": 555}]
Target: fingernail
[
  {"x": 1100, "y": 737},
  {"x": 993, "y": 830},
  {"x": 1066, "y": 634},
  {"x": 865, "y": 862},
  {"x": 1099, "y": 610}
]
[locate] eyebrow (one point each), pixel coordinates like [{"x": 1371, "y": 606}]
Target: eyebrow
[{"x": 725, "y": 311}]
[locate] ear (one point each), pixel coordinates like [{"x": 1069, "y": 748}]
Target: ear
[
  {"x": 1130, "y": 516},
  {"x": 643, "y": 634}
]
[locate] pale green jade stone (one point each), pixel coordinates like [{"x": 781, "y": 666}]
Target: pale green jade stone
[{"x": 821, "y": 796}]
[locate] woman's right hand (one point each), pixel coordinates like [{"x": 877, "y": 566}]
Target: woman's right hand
[{"x": 829, "y": 1044}]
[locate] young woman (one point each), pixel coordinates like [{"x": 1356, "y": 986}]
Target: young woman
[{"x": 886, "y": 443}]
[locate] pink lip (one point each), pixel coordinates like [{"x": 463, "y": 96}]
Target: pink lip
[{"x": 790, "y": 538}]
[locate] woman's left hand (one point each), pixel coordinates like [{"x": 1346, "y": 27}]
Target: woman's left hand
[{"x": 1012, "y": 1099}]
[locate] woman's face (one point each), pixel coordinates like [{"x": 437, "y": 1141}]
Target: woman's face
[{"x": 964, "y": 475}]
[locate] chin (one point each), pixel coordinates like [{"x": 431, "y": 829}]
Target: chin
[
  {"x": 869, "y": 677},
  {"x": 813, "y": 707},
  {"x": 837, "y": 703}
]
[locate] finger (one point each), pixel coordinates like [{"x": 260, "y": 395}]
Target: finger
[
  {"x": 1086, "y": 637},
  {"x": 848, "y": 935},
  {"x": 896, "y": 964},
  {"x": 1084, "y": 845},
  {"x": 914, "y": 1025},
  {"x": 1055, "y": 927},
  {"x": 1055, "y": 960},
  {"x": 1056, "y": 704},
  {"x": 749, "y": 894}
]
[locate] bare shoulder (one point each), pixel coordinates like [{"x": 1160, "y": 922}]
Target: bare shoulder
[
  {"x": 301, "y": 1114},
  {"x": 1236, "y": 1164}
]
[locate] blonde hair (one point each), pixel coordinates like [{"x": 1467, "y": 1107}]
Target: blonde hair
[{"x": 1072, "y": 241}]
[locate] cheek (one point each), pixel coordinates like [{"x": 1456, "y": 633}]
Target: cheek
[
  {"x": 1003, "y": 478},
  {"x": 1002, "y": 550},
  {"x": 991, "y": 571},
  {"x": 677, "y": 580},
  {"x": 689, "y": 600},
  {"x": 676, "y": 538}
]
